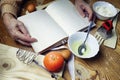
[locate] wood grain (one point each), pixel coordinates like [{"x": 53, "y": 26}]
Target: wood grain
[
  {"x": 12, "y": 68},
  {"x": 106, "y": 63}
]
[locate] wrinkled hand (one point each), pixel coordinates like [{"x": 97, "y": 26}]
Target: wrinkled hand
[
  {"x": 17, "y": 30},
  {"x": 84, "y": 9}
]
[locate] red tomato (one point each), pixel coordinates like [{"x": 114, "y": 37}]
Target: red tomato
[{"x": 53, "y": 61}]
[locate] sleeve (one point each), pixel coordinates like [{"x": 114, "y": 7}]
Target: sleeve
[{"x": 9, "y": 6}]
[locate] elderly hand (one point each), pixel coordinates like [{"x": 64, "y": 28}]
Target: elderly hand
[
  {"x": 17, "y": 30},
  {"x": 84, "y": 9}
]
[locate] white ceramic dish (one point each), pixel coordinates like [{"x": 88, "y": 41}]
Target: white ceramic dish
[
  {"x": 76, "y": 39},
  {"x": 104, "y": 10}
]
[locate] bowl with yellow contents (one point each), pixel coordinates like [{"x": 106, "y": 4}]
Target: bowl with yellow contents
[{"x": 76, "y": 39}]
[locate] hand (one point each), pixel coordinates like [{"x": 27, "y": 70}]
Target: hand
[
  {"x": 17, "y": 30},
  {"x": 84, "y": 9}
]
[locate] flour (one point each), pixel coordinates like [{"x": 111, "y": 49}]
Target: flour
[{"x": 104, "y": 11}]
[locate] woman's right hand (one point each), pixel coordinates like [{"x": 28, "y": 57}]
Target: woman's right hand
[{"x": 83, "y": 8}]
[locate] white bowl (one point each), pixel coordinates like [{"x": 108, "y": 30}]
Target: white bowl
[
  {"x": 104, "y": 10},
  {"x": 76, "y": 39}
]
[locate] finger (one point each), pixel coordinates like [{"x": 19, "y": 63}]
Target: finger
[
  {"x": 90, "y": 16},
  {"x": 90, "y": 13},
  {"x": 25, "y": 38},
  {"x": 80, "y": 10},
  {"x": 23, "y": 42},
  {"x": 22, "y": 28}
]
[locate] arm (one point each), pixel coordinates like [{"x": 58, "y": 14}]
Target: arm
[
  {"x": 83, "y": 8},
  {"x": 16, "y": 28}
]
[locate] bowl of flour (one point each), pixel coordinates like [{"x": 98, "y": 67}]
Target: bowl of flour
[{"x": 104, "y": 10}]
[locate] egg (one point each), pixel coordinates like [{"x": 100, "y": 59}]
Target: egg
[{"x": 31, "y": 7}]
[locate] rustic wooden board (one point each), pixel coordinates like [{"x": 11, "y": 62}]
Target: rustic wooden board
[{"x": 11, "y": 68}]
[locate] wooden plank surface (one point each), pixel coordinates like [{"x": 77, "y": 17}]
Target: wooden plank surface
[
  {"x": 12, "y": 68},
  {"x": 16, "y": 67},
  {"x": 106, "y": 63}
]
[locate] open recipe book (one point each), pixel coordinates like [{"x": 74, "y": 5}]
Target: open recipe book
[{"x": 54, "y": 24}]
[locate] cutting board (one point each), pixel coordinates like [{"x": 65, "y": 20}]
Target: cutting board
[
  {"x": 11, "y": 68},
  {"x": 111, "y": 42}
]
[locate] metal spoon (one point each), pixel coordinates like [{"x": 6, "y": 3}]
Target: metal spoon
[{"x": 82, "y": 47}]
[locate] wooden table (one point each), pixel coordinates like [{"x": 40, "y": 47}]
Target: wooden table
[{"x": 107, "y": 62}]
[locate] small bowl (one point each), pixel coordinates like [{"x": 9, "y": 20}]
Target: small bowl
[
  {"x": 76, "y": 39},
  {"x": 104, "y": 10}
]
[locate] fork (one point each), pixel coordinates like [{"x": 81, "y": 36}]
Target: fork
[
  {"x": 105, "y": 31},
  {"x": 99, "y": 38}
]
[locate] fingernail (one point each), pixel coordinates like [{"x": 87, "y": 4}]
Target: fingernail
[{"x": 35, "y": 39}]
